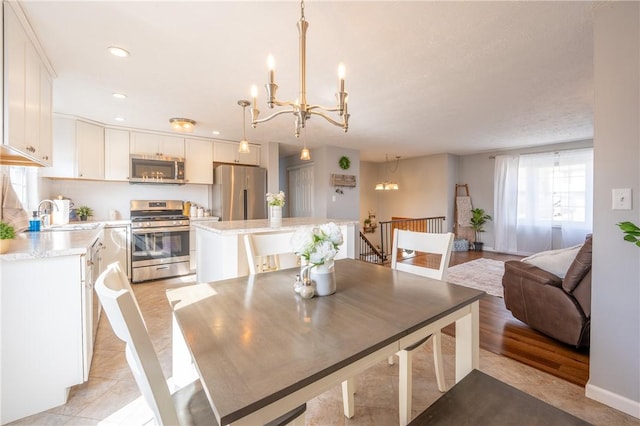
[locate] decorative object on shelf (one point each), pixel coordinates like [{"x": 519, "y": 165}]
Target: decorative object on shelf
[
  {"x": 478, "y": 219},
  {"x": 276, "y": 202},
  {"x": 370, "y": 223},
  {"x": 299, "y": 108},
  {"x": 344, "y": 162},
  {"x": 243, "y": 148},
  {"x": 631, "y": 231},
  {"x": 387, "y": 185},
  {"x": 7, "y": 233},
  {"x": 185, "y": 125},
  {"x": 84, "y": 212},
  {"x": 318, "y": 248}
]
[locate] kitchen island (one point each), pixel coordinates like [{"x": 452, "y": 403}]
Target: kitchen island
[{"x": 220, "y": 249}]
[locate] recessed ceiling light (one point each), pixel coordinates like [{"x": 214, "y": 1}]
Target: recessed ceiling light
[
  {"x": 118, "y": 51},
  {"x": 119, "y": 118},
  {"x": 216, "y": 132},
  {"x": 119, "y": 95}
]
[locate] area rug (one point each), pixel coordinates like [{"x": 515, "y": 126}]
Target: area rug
[{"x": 482, "y": 274}]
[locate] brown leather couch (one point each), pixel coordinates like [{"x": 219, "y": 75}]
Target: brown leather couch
[{"x": 559, "y": 308}]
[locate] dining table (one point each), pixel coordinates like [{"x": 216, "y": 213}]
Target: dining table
[{"x": 261, "y": 350}]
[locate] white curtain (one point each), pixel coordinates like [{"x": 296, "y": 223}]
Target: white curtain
[{"x": 505, "y": 202}]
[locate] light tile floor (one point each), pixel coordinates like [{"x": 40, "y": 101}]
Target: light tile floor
[{"x": 111, "y": 397}]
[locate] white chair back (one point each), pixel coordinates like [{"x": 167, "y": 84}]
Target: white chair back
[
  {"x": 121, "y": 307},
  {"x": 424, "y": 243},
  {"x": 268, "y": 252}
]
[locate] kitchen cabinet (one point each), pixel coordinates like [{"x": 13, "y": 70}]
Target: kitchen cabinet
[
  {"x": 116, "y": 247},
  {"x": 49, "y": 317},
  {"x": 78, "y": 150},
  {"x": 116, "y": 154},
  {"x": 227, "y": 152},
  {"x": 199, "y": 161},
  {"x": 156, "y": 145},
  {"x": 27, "y": 93}
]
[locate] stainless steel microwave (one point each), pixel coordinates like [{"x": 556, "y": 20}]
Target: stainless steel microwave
[{"x": 156, "y": 170}]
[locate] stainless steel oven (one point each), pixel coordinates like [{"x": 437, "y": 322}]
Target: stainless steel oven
[{"x": 159, "y": 240}]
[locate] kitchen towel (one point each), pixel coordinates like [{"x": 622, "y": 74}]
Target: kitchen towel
[{"x": 11, "y": 211}]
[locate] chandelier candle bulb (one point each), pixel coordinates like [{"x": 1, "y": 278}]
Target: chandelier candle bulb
[
  {"x": 271, "y": 65},
  {"x": 341, "y": 72}
]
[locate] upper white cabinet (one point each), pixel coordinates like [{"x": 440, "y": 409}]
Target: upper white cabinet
[
  {"x": 227, "y": 152},
  {"x": 156, "y": 145},
  {"x": 78, "y": 150},
  {"x": 199, "y": 161},
  {"x": 28, "y": 93},
  {"x": 116, "y": 154}
]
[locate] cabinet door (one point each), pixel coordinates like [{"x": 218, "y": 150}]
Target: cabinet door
[
  {"x": 32, "y": 100},
  {"x": 172, "y": 146},
  {"x": 145, "y": 143},
  {"x": 226, "y": 152},
  {"x": 116, "y": 155},
  {"x": 116, "y": 247},
  {"x": 45, "y": 147},
  {"x": 199, "y": 161},
  {"x": 90, "y": 149},
  {"x": 15, "y": 78},
  {"x": 64, "y": 149}
]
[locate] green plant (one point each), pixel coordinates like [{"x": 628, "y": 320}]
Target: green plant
[
  {"x": 367, "y": 222},
  {"x": 631, "y": 231},
  {"x": 84, "y": 211},
  {"x": 478, "y": 219},
  {"x": 6, "y": 231}
]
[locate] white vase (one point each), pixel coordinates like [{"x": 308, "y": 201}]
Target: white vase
[
  {"x": 324, "y": 278},
  {"x": 275, "y": 213}
]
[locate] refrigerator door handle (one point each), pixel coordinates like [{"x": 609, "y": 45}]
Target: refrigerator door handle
[{"x": 246, "y": 199}]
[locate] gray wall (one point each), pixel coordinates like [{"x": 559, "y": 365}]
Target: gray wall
[{"x": 615, "y": 332}]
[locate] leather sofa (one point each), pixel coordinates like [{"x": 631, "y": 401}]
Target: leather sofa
[{"x": 559, "y": 308}]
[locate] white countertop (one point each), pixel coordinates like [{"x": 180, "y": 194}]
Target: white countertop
[
  {"x": 265, "y": 225},
  {"x": 36, "y": 245}
]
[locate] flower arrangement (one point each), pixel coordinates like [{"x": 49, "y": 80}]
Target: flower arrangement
[
  {"x": 276, "y": 199},
  {"x": 317, "y": 245}
]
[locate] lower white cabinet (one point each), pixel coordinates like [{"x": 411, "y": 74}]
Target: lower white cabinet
[
  {"x": 49, "y": 317},
  {"x": 117, "y": 247}
]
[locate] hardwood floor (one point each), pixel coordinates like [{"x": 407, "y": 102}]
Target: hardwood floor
[{"x": 503, "y": 334}]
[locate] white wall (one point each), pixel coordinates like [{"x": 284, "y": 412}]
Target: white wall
[
  {"x": 105, "y": 196},
  {"x": 614, "y": 374}
]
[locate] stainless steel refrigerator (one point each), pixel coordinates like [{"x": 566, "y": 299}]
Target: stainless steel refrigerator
[{"x": 239, "y": 192}]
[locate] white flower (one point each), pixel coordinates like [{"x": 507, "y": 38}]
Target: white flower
[
  {"x": 276, "y": 199},
  {"x": 317, "y": 245}
]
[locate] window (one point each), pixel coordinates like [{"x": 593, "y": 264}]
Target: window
[{"x": 25, "y": 183}]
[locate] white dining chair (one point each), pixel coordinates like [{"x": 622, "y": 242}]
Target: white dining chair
[
  {"x": 188, "y": 405},
  {"x": 269, "y": 251},
  {"x": 420, "y": 242}
]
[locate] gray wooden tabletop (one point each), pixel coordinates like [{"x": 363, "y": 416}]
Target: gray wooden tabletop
[{"x": 254, "y": 341}]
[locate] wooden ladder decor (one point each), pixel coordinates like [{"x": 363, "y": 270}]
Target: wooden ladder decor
[{"x": 462, "y": 213}]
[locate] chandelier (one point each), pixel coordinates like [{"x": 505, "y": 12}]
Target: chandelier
[
  {"x": 387, "y": 185},
  {"x": 300, "y": 109}
]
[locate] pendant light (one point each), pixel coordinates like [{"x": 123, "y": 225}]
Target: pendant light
[
  {"x": 243, "y": 148},
  {"x": 305, "y": 155},
  {"x": 387, "y": 185}
]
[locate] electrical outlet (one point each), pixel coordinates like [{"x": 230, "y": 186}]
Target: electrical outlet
[{"x": 621, "y": 199}]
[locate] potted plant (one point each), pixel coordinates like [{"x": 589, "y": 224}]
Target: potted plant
[
  {"x": 7, "y": 233},
  {"x": 478, "y": 219},
  {"x": 631, "y": 231},
  {"x": 83, "y": 212}
]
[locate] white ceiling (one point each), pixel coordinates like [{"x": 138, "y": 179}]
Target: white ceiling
[{"x": 423, "y": 77}]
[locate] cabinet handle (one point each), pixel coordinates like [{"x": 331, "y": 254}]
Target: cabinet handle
[{"x": 46, "y": 157}]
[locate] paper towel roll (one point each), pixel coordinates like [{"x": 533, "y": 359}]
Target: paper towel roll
[{"x": 60, "y": 215}]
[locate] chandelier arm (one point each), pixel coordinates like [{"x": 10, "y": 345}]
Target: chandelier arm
[
  {"x": 324, "y": 108},
  {"x": 329, "y": 119},
  {"x": 275, "y": 114},
  {"x": 291, "y": 104}
]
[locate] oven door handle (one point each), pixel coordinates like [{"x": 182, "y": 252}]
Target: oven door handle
[{"x": 139, "y": 231}]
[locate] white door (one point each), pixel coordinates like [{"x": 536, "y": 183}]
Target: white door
[{"x": 301, "y": 191}]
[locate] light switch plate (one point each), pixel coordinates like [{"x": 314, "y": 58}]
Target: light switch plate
[{"x": 621, "y": 199}]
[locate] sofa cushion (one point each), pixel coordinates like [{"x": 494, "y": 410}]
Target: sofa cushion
[
  {"x": 556, "y": 262},
  {"x": 579, "y": 268}
]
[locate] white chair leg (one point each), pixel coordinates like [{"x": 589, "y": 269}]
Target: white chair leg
[
  {"x": 405, "y": 386},
  {"x": 348, "y": 390},
  {"x": 390, "y": 360},
  {"x": 437, "y": 360}
]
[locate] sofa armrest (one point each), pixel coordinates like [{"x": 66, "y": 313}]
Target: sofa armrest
[{"x": 529, "y": 272}]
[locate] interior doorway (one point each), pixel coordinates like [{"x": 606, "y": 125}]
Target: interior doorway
[{"x": 300, "y": 183}]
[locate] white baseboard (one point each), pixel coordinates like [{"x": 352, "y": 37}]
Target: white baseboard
[{"x": 613, "y": 400}]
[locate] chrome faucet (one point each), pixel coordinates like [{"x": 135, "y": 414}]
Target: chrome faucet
[{"x": 46, "y": 219}]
